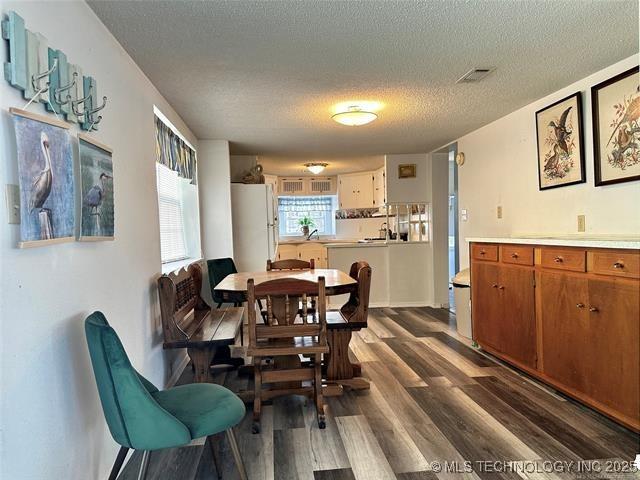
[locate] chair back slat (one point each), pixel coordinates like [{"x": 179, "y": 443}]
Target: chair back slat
[
  {"x": 282, "y": 298},
  {"x": 290, "y": 264}
]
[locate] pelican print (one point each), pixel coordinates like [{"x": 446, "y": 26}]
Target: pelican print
[
  {"x": 41, "y": 187},
  {"x": 94, "y": 197}
]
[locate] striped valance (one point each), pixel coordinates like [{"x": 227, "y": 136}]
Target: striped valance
[{"x": 174, "y": 153}]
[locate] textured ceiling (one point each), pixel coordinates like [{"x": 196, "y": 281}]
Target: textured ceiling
[
  {"x": 265, "y": 74},
  {"x": 277, "y": 165}
]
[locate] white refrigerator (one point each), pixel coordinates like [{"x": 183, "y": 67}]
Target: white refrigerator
[{"x": 254, "y": 210}]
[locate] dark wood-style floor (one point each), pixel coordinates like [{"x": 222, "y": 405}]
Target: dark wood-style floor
[{"x": 433, "y": 399}]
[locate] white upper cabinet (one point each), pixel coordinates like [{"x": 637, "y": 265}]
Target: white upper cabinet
[
  {"x": 379, "y": 188},
  {"x": 306, "y": 186},
  {"x": 355, "y": 190}
]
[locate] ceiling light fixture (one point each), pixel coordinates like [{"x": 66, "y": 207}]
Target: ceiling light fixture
[
  {"x": 354, "y": 116},
  {"x": 316, "y": 168}
]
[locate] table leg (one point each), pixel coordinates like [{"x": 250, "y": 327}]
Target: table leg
[{"x": 340, "y": 370}]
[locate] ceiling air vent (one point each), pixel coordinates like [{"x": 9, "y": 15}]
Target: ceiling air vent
[{"x": 475, "y": 75}]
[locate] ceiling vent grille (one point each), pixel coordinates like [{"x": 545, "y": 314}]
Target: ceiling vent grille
[{"x": 475, "y": 75}]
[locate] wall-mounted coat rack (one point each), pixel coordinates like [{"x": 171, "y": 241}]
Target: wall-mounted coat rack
[{"x": 44, "y": 75}]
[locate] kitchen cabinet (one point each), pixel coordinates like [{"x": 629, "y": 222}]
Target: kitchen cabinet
[
  {"x": 379, "y": 188},
  {"x": 506, "y": 316},
  {"x": 568, "y": 316},
  {"x": 307, "y": 185},
  {"x": 304, "y": 251},
  {"x": 355, "y": 190}
]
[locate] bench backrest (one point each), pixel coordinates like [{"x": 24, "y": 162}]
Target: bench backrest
[
  {"x": 182, "y": 308},
  {"x": 357, "y": 307}
]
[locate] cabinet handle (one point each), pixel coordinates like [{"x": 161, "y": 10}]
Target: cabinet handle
[
  {"x": 495, "y": 285},
  {"x": 558, "y": 260},
  {"x": 619, "y": 265},
  {"x": 514, "y": 255},
  {"x": 593, "y": 309},
  {"x": 580, "y": 305},
  {"x": 482, "y": 252},
  {"x": 501, "y": 287}
]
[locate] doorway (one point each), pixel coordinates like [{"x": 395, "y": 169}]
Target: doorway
[{"x": 453, "y": 260}]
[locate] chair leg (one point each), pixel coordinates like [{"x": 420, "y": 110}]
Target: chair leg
[
  {"x": 122, "y": 454},
  {"x": 142, "y": 473},
  {"x": 236, "y": 454},
  {"x": 317, "y": 387},
  {"x": 219, "y": 304},
  {"x": 257, "y": 397},
  {"x": 216, "y": 460}
]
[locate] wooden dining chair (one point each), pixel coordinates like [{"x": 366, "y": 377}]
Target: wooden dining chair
[
  {"x": 285, "y": 335},
  {"x": 290, "y": 264}
]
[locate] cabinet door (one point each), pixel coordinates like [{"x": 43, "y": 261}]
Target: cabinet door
[
  {"x": 312, "y": 250},
  {"x": 485, "y": 305},
  {"x": 365, "y": 190},
  {"x": 347, "y": 192},
  {"x": 379, "y": 188},
  {"x": 517, "y": 291},
  {"x": 287, "y": 251},
  {"x": 565, "y": 328},
  {"x": 613, "y": 356}
]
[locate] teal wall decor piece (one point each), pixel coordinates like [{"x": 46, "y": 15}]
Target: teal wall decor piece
[
  {"x": 15, "y": 70},
  {"x": 44, "y": 75}
]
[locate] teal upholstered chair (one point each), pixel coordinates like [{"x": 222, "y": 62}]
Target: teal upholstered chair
[{"x": 141, "y": 417}]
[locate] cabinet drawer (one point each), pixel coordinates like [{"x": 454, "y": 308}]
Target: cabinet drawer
[
  {"x": 564, "y": 259},
  {"x": 518, "y": 254},
  {"x": 481, "y": 251},
  {"x": 615, "y": 263}
]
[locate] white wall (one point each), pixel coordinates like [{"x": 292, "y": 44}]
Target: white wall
[
  {"x": 240, "y": 165},
  {"x": 440, "y": 226},
  {"x": 407, "y": 189},
  {"x": 51, "y": 422},
  {"x": 501, "y": 169},
  {"x": 215, "y": 198},
  {"x": 356, "y": 228}
]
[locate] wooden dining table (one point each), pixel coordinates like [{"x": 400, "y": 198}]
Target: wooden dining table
[{"x": 337, "y": 282}]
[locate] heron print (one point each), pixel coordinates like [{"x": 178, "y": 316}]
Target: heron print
[
  {"x": 96, "y": 173},
  {"x": 45, "y": 167}
]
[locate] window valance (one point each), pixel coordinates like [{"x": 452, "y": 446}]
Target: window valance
[{"x": 174, "y": 153}]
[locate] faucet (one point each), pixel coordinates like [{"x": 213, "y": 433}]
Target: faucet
[{"x": 311, "y": 234}]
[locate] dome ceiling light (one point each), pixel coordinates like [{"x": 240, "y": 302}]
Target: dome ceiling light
[
  {"x": 316, "y": 168},
  {"x": 354, "y": 116}
]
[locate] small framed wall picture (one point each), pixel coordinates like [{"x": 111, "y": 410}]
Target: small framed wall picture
[
  {"x": 616, "y": 128},
  {"x": 560, "y": 143},
  {"x": 407, "y": 170}
]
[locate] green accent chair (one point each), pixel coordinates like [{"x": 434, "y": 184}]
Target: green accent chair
[
  {"x": 218, "y": 269},
  {"x": 141, "y": 417}
]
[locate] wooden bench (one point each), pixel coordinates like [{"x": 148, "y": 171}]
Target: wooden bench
[{"x": 189, "y": 322}]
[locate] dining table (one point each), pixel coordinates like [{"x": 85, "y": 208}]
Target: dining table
[{"x": 342, "y": 373}]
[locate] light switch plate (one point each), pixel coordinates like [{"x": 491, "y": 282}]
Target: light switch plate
[
  {"x": 499, "y": 211},
  {"x": 12, "y": 195},
  {"x": 463, "y": 215},
  {"x": 581, "y": 223}
]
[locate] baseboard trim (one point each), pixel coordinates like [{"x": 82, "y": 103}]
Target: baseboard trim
[{"x": 178, "y": 371}]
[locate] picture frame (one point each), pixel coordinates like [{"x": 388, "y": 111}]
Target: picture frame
[
  {"x": 407, "y": 170},
  {"x": 615, "y": 109},
  {"x": 96, "y": 190},
  {"x": 560, "y": 143},
  {"x": 46, "y": 179}
]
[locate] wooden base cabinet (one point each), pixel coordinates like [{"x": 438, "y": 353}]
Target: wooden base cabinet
[{"x": 572, "y": 326}]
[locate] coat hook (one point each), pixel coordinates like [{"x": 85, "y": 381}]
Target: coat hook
[
  {"x": 95, "y": 122},
  {"x": 58, "y": 91},
  {"x": 76, "y": 103},
  {"x": 36, "y": 77},
  {"x": 97, "y": 109}
]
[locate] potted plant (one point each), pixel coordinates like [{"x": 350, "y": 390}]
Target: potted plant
[{"x": 305, "y": 223}]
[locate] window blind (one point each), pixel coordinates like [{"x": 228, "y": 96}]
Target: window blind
[{"x": 172, "y": 240}]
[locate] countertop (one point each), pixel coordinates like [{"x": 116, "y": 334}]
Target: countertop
[
  {"x": 374, "y": 243},
  {"x": 299, "y": 241},
  {"x": 596, "y": 241}
]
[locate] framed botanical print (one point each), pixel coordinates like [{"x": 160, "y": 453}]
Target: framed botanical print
[
  {"x": 560, "y": 143},
  {"x": 407, "y": 170},
  {"x": 616, "y": 128}
]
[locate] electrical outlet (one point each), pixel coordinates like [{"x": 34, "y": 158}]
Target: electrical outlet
[
  {"x": 13, "y": 203},
  {"x": 581, "y": 223},
  {"x": 464, "y": 216},
  {"x": 499, "y": 211}
]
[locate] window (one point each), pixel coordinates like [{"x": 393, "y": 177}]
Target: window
[
  {"x": 172, "y": 241},
  {"x": 177, "y": 195},
  {"x": 321, "y": 209}
]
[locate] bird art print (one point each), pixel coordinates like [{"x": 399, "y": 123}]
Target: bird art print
[
  {"x": 616, "y": 105},
  {"x": 560, "y": 153},
  {"x": 46, "y": 177},
  {"x": 96, "y": 174}
]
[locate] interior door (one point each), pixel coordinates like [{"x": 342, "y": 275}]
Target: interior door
[
  {"x": 486, "y": 305},
  {"x": 613, "y": 357},
  {"x": 565, "y": 328},
  {"x": 518, "y": 336}
]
